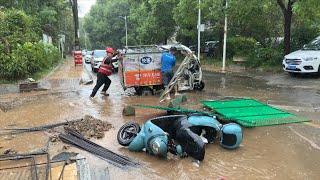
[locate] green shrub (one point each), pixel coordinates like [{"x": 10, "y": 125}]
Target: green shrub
[
  {"x": 302, "y": 35},
  {"x": 28, "y": 59},
  {"x": 21, "y": 54},
  {"x": 265, "y": 56},
  {"x": 240, "y": 46}
]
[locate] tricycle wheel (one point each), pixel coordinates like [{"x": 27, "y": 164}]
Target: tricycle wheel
[
  {"x": 146, "y": 91},
  {"x": 127, "y": 133},
  {"x": 143, "y": 91},
  {"x": 138, "y": 90},
  {"x": 199, "y": 86}
]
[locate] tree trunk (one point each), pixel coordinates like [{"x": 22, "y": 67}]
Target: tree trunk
[
  {"x": 74, "y": 4},
  {"x": 287, "y": 30},
  {"x": 287, "y": 14}
]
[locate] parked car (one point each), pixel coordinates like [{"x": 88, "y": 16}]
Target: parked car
[
  {"x": 97, "y": 58},
  {"x": 84, "y": 52},
  {"x": 306, "y": 60},
  {"x": 208, "y": 47},
  {"x": 88, "y": 56}
]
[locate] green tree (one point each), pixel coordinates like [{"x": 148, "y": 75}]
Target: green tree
[
  {"x": 185, "y": 15},
  {"x": 149, "y": 22},
  {"x": 103, "y": 24},
  {"x": 52, "y": 15}
]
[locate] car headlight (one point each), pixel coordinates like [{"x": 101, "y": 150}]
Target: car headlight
[{"x": 310, "y": 58}]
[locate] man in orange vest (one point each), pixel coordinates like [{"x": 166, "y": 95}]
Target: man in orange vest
[{"x": 105, "y": 70}]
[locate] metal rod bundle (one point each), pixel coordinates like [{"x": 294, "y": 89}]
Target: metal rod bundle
[
  {"x": 74, "y": 138},
  {"x": 33, "y": 129}
]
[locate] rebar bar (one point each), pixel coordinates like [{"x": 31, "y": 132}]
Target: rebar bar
[
  {"x": 48, "y": 167},
  {"x": 20, "y": 156},
  {"x": 62, "y": 171},
  {"x": 87, "y": 147},
  {"x": 98, "y": 147},
  {"x": 80, "y": 136},
  {"x": 34, "y": 129},
  {"x": 34, "y": 172},
  {"x": 76, "y": 139},
  {"x": 38, "y": 164}
]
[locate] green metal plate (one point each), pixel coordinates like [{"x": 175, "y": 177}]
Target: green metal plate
[{"x": 251, "y": 113}]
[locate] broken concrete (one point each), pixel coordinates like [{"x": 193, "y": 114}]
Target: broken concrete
[
  {"x": 128, "y": 111},
  {"x": 177, "y": 101},
  {"x": 90, "y": 127}
]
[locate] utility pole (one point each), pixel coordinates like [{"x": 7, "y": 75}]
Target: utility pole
[
  {"x": 74, "y": 4},
  {"x": 126, "y": 27},
  {"x": 225, "y": 39},
  {"x": 85, "y": 39},
  {"x": 199, "y": 24}
]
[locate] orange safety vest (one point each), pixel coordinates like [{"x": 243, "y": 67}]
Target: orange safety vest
[{"x": 105, "y": 69}]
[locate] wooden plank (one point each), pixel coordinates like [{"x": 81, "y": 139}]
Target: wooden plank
[{"x": 70, "y": 172}]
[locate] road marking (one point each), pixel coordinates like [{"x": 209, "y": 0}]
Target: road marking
[
  {"x": 313, "y": 144},
  {"x": 312, "y": 124}
]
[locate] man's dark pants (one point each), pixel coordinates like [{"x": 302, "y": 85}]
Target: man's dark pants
[
  {"x": 166, "y": 77},
  {"x": 101, "y": 79}
]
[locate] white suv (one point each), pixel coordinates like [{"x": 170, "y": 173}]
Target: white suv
[{"x": 306, "y": 60}]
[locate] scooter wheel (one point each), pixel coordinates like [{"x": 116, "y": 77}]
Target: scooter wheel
[{"x": 127, "y": 133}]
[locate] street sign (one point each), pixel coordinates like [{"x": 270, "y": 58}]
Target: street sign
[{"x": 202, "y": 27}]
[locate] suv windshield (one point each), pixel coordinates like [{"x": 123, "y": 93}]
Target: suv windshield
[
  {"x": 99, "y": 53},
  {"x": 313, "y": 45}
]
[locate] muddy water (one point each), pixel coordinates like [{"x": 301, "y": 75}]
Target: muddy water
[{"x": 282, "y": 152}]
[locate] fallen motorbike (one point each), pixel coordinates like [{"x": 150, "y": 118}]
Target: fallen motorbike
[{"x": 179, "y": 134}]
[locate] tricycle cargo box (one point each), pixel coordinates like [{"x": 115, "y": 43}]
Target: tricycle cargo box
[{"x": 141, "y": 68}]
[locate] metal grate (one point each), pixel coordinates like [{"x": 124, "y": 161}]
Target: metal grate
[{"x": 251, "y": 113}]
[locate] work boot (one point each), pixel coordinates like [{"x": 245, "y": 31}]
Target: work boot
[{"x": 104, "y": 93}]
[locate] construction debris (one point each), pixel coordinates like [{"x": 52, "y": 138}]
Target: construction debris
[
  {"x": 177, "y": 101},
  {"x": 74, "y": 138},
  {"x": 11, "y": 131},
  {"x": 63, "y": 156},
  {"x": 128, "y": 111},
  {"x": 90, "y": 127},
  {"x": 9, "y": 152}
]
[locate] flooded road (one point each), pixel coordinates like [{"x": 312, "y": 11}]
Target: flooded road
[{"x": 276, "y": 152}]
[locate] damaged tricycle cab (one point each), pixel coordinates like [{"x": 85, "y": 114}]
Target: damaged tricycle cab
[
  {"x": 180, "y": 135},
  {"x": 141, "y": 69}
]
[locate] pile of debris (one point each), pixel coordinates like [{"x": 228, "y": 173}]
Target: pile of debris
[
  {"x": 90, "y": 127},
  {"x": 8, "y": 152}
]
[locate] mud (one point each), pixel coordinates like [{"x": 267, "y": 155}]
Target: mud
[
  {"x": 276, "y": 152},
  {"x": 90, "y": 127}
]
